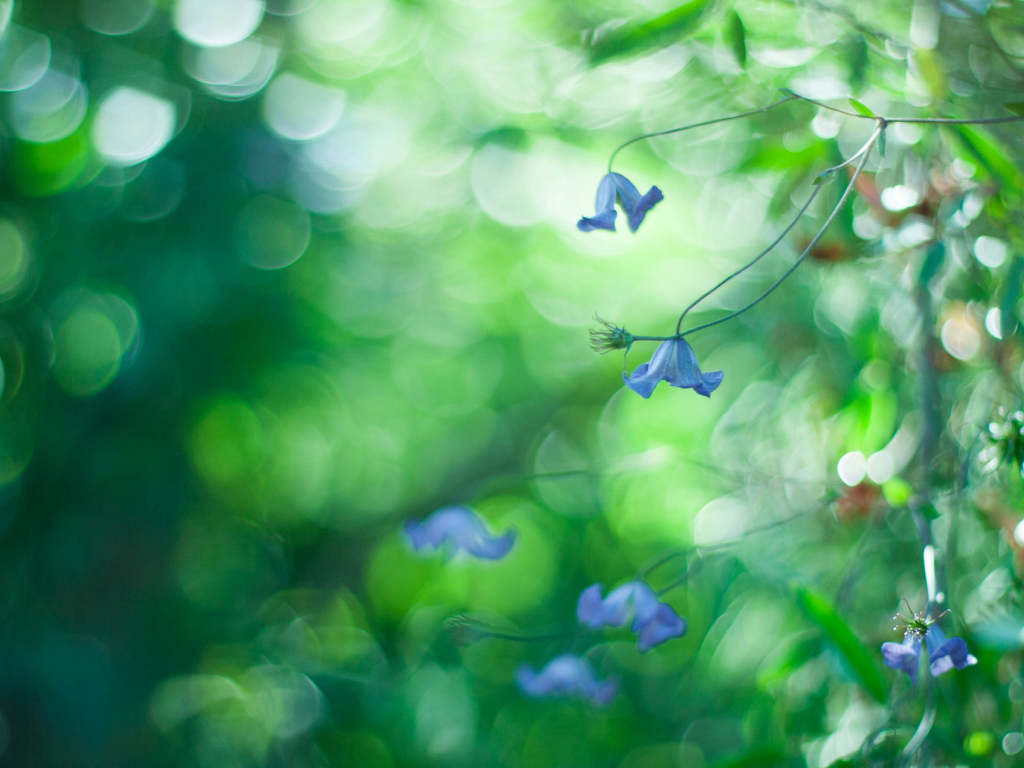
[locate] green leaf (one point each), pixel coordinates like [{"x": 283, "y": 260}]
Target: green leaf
[
  {"x": 861, "y": 661},
  {"x": 932, "y": 262},
  {"x": 786, "y": 92},
  {"x": 1008, "y": 304},
  {"x": 757, "y": 757},
  {"x": 881, "y": 143},
  {"x": 861, "y": 108},
  {"x": 736, "y": 36},
  {"x": 992, "y": 155},
  {"x": 1017, "y": 107},
  {"x": 663, "y": 30},
  {"x": 782, "y": 664}
]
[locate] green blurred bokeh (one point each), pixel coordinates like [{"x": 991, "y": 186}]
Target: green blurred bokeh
[{"x": 276, "y": 276}]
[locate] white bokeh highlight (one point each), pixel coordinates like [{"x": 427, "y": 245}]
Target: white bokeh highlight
[
  {"x": 215, "y": 23},
  {"x": 132, "y": 126}
]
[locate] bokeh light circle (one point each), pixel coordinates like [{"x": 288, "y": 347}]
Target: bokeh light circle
[
  {"x": 13, "y": 257},
  {"x": 117, "y": 17},
  {"x": 132, "y": 126},
  {"x": 24, "y": 58},
  {"x": 272, "y": 233},
  {"x": 50, "y": 109},
  {"x": 87, "y": 352},
  {"x": 298, "y": 109},
  {"x": 214, "y": 23}
]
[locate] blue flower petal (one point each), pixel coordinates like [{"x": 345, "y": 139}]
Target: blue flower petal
[
  {"x": 565, "y": 675},
  {"x": 456, "y": 528},
  {"x": 596, "y": 612},
  {"x": 604, "y": 205},
  {"x": 905, "y": 656},
  {"x": 946, "y": 653},
  {"x": 664, "y": 625},
  {"x": 635, "y": 206}
]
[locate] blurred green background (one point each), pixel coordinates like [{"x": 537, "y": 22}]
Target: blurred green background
[{"x": 277, "y": 276}]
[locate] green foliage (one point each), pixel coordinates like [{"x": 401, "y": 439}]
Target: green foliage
[{"x": 276, "y": 277}]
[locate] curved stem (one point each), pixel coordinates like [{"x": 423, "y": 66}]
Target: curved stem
[
  {"x": 921, "y": 120},
  {"x": 927, "y": 720},
  {"x": 821, "y": 233},
  {"x": 696, "y": 125},
  {"x": 753, "y": 261},
  {"x": 766, "y": 251}
]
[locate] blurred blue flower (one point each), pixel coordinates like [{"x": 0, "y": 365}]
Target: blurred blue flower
[
  {"x": 944, "y": 653},
  {"x": 455, "y": 528},
  {"x": 675, "y": 362},
  {"x": 633, "y": 204},
  {"x": 565, "y": 675},
  {"x": 653, "y": 621}
]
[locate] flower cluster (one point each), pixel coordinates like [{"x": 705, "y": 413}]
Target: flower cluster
[
  {"x": 653, "y": 621},
  {"x": 633, "y": 204},
  {"x": 944, "y": 653}
]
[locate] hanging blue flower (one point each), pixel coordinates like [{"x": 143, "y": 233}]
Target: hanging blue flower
[
  {"x": 455, "y": 528},
  {"x": 633, "y": 204},
  {"x": 944, "y": 653},
  {"x": 675, "y": 362},
  {"x": 653, "y": 621},
  {"x": 566, "y": 675}
]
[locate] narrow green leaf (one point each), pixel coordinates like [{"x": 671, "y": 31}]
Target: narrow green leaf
[
  {"x": 786, "y": 92},
  {"x": 932, "y": 262},
  {"x": 1017, "y": 107},
  {"x": 736, "y": 35},
  {"x": 881, "y": 143},
  {"x": 861, "y": 108},
  {"x": 862, "y": 662},
  {"x": 663, "y": 30},
  {"x": 992, "y": 155},
  {"x": 1008, "y": 304}
]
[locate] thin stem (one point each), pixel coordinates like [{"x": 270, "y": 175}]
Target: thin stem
[
  {"x": 753, "y": 261},
  {"x": 927, "y": 720},
  {"x": 923, "y": 120},
  {"x": 696, "y": 125},
  {"x": 821, "y": 233},
  {"x": 766, "y": 251},
  {"x": 669, "y": 557}
]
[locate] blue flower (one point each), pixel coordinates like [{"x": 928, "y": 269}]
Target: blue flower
[
  {"x": 633, "y": 204},
  {"x": 944, "y": 653},
  {"x": 653, "y": 621},
  {"x": 566, "y": 675},
  {"x": 675, "y": 362},
  {"x": 455, "y": 528}
]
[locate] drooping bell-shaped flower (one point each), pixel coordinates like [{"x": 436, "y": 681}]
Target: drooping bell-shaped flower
[
  {"x": 455, "y": 528},
  {"x": 566, "y": 675},
  {"x": 634, "y": 205},
  {"x": 653, "y": 621},
  {"x": 675, "y": 362}
]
